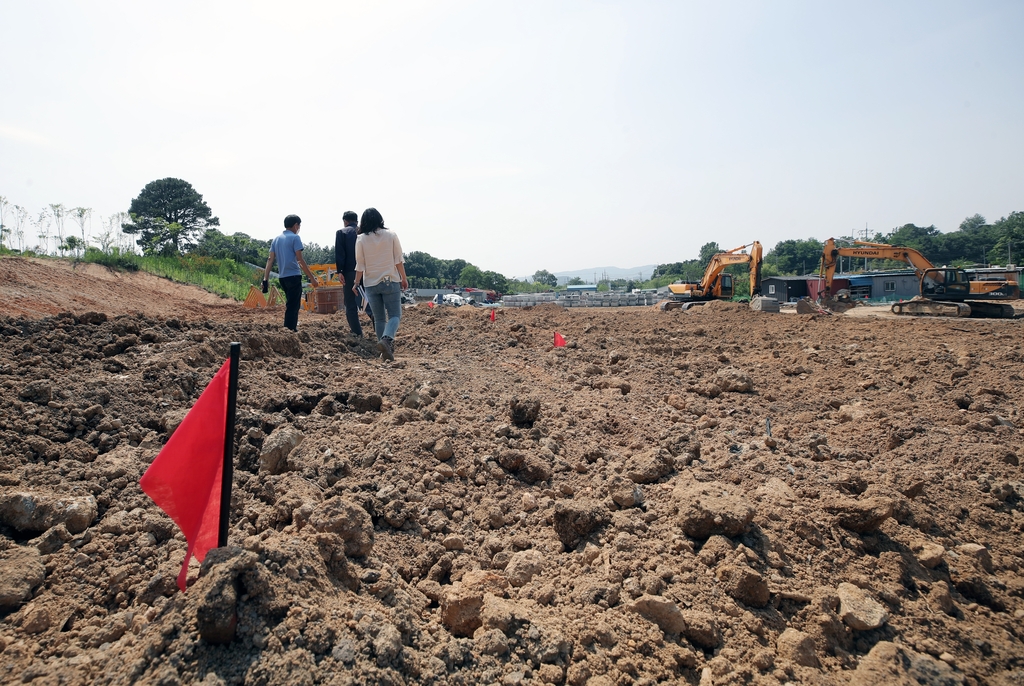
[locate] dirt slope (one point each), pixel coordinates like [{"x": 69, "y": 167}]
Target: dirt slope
[{"x": 489, "y": 509}]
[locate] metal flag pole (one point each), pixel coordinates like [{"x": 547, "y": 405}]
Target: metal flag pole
[{"x": 227, "y": 474}]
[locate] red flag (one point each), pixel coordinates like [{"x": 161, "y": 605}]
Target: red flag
[
  {"x": 492, "y": 314},
  {"x": 185, "y": 478},
  {"x": 430, "y": 304},
  {"x": 559, "y": 341}
]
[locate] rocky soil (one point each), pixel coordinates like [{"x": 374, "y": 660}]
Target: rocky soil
[{"x": 716, "y": 496}]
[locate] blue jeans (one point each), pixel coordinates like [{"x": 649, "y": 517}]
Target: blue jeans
[{"x": 386, "y": 303}]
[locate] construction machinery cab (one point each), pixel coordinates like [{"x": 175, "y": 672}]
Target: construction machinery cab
[
  {"x": 945, "y": 284},
  {"x": 725, "y": 286}
]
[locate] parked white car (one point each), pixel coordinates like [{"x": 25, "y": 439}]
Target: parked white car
[{"x": 454, "y": 299}]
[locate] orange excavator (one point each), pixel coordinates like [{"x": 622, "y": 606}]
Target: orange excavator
[
  {"x": 716, "y": 284},
  {"x": 944, "y": 291}
]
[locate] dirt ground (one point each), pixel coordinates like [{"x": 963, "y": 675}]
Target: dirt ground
[{"x": 718, "y": 496}]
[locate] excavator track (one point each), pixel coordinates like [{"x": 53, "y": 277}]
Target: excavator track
[
  {"x": 931, "y": 308},
  {"x": 991, "y": 310},
  {"x": 667, "y": 305}
]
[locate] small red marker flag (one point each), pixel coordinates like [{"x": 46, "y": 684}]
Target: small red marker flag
[
  {"x": 492, "y": 314},
  {"x": 185, "y": 479},
  {"x": 559, "y": 341},
  {"x": 430, "y": 304}
]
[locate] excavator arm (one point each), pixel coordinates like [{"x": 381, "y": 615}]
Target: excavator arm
[{"x": 880, "y": 251}]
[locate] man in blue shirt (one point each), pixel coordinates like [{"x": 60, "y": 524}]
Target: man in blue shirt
[{"x": 287, "y": 250}]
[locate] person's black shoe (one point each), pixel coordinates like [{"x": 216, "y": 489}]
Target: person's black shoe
[{"x": 385, "y": 348}]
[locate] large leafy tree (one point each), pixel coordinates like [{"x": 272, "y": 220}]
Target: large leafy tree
[
  {"x": 545, "y": 277},
  {"x": 707, "y": 251},
  {"x": 1010, "y": 232},
  {"x": 168, "y": 215},
  {"x": 795, "y": 256},
  {"x": 422, "y": 269},
  {"x": 450, "y": 270},
  {"x": 239, "y": 247},
  {"x": 471, "y": 276}
]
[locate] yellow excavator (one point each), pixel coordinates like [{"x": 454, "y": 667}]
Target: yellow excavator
[
  {"x": 943, "y": 291},
  {"x": 716, "y": 284}
]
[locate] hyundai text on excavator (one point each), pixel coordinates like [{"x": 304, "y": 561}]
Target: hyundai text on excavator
[
  {"x": 943, "y": 291},
  {"x": 716, "y": 284}
]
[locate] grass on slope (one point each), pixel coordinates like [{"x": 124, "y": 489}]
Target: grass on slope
[{"x": 226, "y": 278}]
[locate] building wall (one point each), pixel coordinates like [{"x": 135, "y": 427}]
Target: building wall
[
  {"x": 900, "y": 286},
  {"x": 783, "y": 290}
]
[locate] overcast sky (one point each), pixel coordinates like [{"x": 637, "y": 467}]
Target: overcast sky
[{"x": 524, "y": 135}]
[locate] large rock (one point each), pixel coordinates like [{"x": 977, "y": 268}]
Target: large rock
[
  {"x": 734, "y": 380},
  {"x": 523, "y": 566},
  {"x": 650, "y": 466},
  {"x": 977, "y": 552},
  {"x": 523, "y": 412},
  {"x": 708, "y": 509},
  {"x": 760, "y": 303},
  {"x": 929, "y": 554},
  {"x": 528, "y": 467},
  {"x": 218, "y": 590},
  {"x": 461, "y": 607},
  {"x": 624, "y": 492},
  {"x": 861, "y": 516},
  {"x": 34, "y": 512},
  {"x": 702, "y": 629},
  {"x": 797, "y": 647},
  {"x": 576, "y": 519},
  {"x": 662, "y": 611},
  {"x": 277, "y": 447},
  {"x": 744, "y": 584},
  {"x": 39, "y": 392},
  {"x": 21, "y": 571},
  {"x": 896, "y": 665},
  {"x": 347, "y": 519},
  {"x": 858, "y": 609}
]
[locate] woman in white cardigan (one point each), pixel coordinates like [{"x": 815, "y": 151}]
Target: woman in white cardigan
[{"x": 381, "y": 270}]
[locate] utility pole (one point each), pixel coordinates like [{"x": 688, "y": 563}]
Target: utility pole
[{"x": 865, "y": 238}]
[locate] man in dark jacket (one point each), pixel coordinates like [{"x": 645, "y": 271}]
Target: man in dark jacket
[{"x": 345, "y": 262}]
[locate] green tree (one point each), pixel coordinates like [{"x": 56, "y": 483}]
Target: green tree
[
  {"x": 5, "y": 230},
  {"x": 450, "y": 270},
  {"x": 795, "y": 256},
  {"x": 239, "y": 247},
  {"x": 471, "y": 277},
  {"x": 543, "y": 276},
  {"x": 972, "y": 223},
  {"x": 422, "y": 270},
  {"x": 81, "y": 215},
  {"x": 73, "y": 244},
  {"x": 168, "y": 215},
  {"x": 314, "y": 253},
  {"x": 707, "y": 251},
  {"x": 1010, "y": 232},
  {"x": 494, "y": 281},
  {"x": 575, "y": 281}
]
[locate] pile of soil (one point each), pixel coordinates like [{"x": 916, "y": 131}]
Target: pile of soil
[{"x": 717, "y": 496}]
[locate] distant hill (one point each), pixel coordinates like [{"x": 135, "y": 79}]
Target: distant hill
[{"x": 600, "y": 273}]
